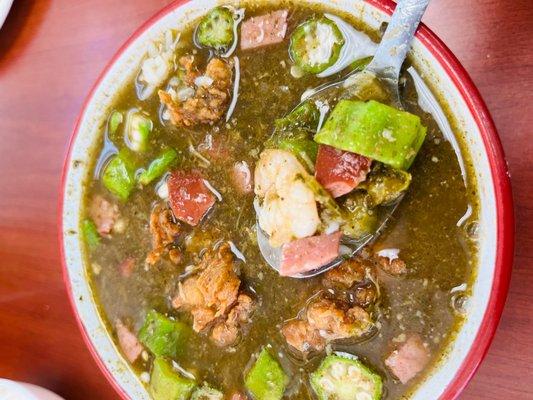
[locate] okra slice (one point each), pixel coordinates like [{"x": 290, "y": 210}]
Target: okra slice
[
  {"x": 158, "y": 166},
  {"x": 316, "y": 45},
  {"x": 343, "y": 378},
  {"x": 119, "y": 175},
  {"x": 266, "y": 380},
  {"x": 216, "y": 29},
  {"x": 90, "y": 233},
  {"x": 374, "y": 130},
  {"x": 163, "y": 336},
  {"x": 138, "y": 129},
  {"x": 168, "y": 384}
]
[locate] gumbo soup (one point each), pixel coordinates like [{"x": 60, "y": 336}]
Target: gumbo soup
[{"x": 211, "y": 142}]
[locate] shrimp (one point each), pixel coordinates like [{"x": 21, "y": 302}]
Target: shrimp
[
  {"x": 288, "y": 210},
  {"x": 157, "y": 65}
]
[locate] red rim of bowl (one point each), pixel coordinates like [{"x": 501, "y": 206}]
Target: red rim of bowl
[{"x": 499, "y": 172}]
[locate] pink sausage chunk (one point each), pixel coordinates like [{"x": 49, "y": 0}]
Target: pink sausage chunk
[
  {"x": 408, "y": 359},
  {"x": 340, "y": 171},
  {"x": 309, "y": 253},
  {"x": 189, "y": 197},
  {"x": 264, "y": 30},
  {"x": 129, "y": 344}
]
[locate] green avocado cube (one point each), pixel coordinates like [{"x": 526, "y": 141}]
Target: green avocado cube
[{"x": 374, "y": 130}]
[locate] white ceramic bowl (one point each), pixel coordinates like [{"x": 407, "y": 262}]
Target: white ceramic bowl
[{"x": 469, "y": 114}]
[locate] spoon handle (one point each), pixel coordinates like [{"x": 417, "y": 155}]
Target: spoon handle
[{"x": 397, "y": 39}]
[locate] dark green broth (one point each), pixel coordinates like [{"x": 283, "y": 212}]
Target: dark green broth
[{"x": 439, "y": 255}]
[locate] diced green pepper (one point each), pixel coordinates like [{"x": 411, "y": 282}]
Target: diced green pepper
[
  {"x": 305, "y": 149},
  {"x": 385, "y": 184},
  {"x": 119, "y": 175},
  {"x": 359, "y": 218},
  {"x": 138, "y": 129},
  {"x": 168, "y": 384},
  {"x": 159, "y": 166},
  {"x": 163, "y": 336},
  {"x": 90, "y": 233},
  {"x": 115, "y": 120},
  {"x": 316, "y": 45},
  {"x": 294, "y": 133},
  {"x": 266, "y": 380},
  {"x": 305, "y": 116},
  {"x": 216, "y": 29},
  {"x": 207, "y": 393},
  {"x": 343, "y": 378},
  {"x": 374, "y": 130}
]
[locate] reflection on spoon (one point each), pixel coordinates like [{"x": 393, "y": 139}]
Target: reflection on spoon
[{"x": 429, "y": 104}]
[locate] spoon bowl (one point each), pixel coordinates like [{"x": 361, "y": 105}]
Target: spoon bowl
[{"x": 350, "y": 246}]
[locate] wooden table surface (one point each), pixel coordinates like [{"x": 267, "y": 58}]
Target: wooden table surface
[{"x": 51, "y": 53}]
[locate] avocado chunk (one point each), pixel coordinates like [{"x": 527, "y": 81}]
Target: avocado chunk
[{"x": 374, "y": 130}]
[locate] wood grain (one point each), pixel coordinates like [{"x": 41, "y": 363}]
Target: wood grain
[{"x": 50, "y": 54}]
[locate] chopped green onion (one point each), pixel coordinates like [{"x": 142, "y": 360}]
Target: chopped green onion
[
  {"x": 216, "y": 29},
  {"x": 158, "y": 166},
  {"x": 316, "y": 45},
  {"x": 374, "y": 130},
  {"x": 90, "y": 233}
]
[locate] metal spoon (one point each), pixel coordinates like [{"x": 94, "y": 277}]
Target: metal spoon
[{"x": 385, "y": 66}]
